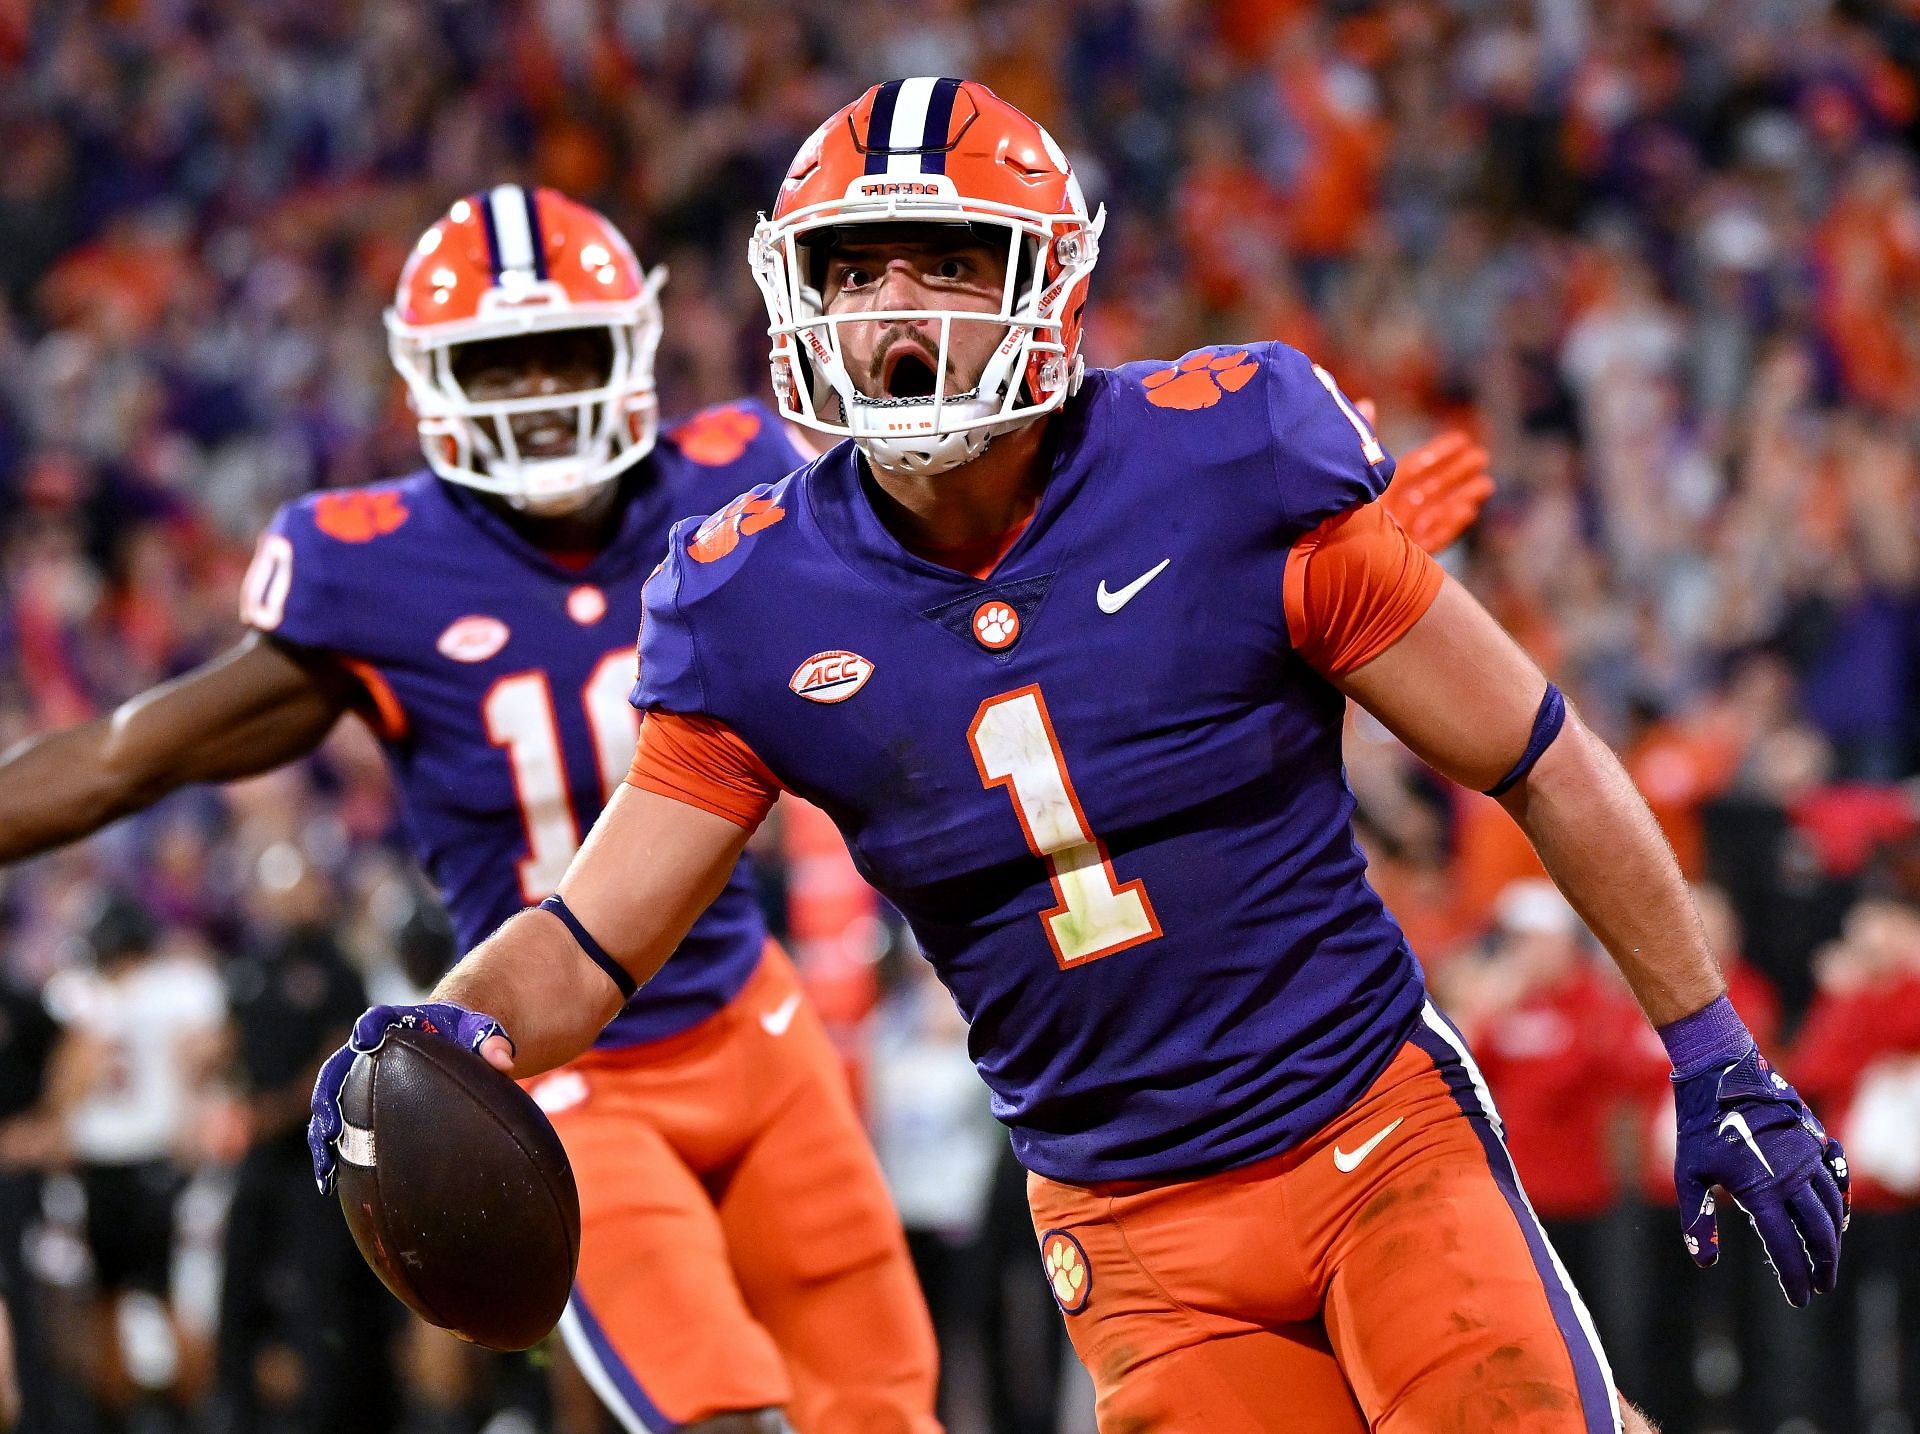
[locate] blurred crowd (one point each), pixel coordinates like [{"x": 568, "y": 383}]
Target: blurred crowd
[{"x": 1661, "y": 256}]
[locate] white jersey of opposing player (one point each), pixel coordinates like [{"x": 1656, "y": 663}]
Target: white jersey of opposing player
[{"x": 149, "y": 1016}]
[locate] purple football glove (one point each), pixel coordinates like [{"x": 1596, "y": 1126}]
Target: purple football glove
[
  {"x": 1743, "y": 1129},
  {"x": 442, "y": 1018}
]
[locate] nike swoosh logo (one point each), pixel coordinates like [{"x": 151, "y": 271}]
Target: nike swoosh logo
[
  {"x": 776, "y": 1021},
  {"x": 1347, "y": 1162},
  {"x": 1114, "y": 601},
  {"x": 1733, "y": 1120}
]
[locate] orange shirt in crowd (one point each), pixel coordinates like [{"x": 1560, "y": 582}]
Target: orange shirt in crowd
[
  {"x": 1227, "y": 212},
  {"x": 1677, "y": 768},
  {"x": 1331, "y": 198},
  {"x": 1490, "y": 853},
  {"x": 1427, "y": 906}
]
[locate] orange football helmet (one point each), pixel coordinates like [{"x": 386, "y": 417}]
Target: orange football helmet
[
  {"x": 929, "y": 151},
  {"x": 513, "y": 261}
]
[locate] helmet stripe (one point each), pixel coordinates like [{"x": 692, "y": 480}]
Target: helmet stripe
[
  {"x": 909, "y": 128},
  {"x": 879, "y": 136},
  {"x": 933, "y": 136},
  {"x": 507, "y": 208},
  {"x": 535, "y": 238},
  {"x": 484, "y": 203}
]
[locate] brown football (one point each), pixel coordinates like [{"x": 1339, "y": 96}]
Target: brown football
[{"x": 457, "y": 1191}]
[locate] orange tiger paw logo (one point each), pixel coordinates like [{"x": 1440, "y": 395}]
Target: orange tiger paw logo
[
  {"x": 1069, "y": 1275},
  {"x": 743, "y": 517},
  {"x": 358, "y": 517},
  {"x": 717, "y": 436},
  {"x": 1200, "y": 379}
]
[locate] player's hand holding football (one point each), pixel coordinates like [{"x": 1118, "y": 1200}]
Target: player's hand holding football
[
  {"x": 472, "y": 1029},
  {"x": 1745, "y": 1131}
]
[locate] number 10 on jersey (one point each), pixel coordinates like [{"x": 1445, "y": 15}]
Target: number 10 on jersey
[
  {"x": 1014, "y": 747},
  {"x": 520, "y": 716}
]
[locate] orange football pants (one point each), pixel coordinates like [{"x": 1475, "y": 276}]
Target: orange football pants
[
  {"x": 1386, "y": 1275},
  {"x": 738, "y": 1248}
]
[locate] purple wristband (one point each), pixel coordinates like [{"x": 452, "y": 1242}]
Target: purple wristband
[
  {"x": 597, "y": 953},
  {"x": 1713, "y": 1035}
]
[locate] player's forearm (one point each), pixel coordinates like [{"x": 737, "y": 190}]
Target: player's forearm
[
  {"x": 62, "y": 786},
  {"x": 531, "y": 978},
  {"x": 648, "y": 868},
  {"x": 1601, "y": 845},
  {"x": 247, "y": 711}
]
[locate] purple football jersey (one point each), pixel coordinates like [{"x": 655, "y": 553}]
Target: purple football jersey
[
  {"x": 503, "y": 677},
  {"x": 1100, "y": 784}
]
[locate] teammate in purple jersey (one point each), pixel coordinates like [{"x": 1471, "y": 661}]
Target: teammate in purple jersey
[
  {"x": 740, "y": 1259},
  {"x": 1066, "y": 656},
  {"x": 498, "y": 672}
]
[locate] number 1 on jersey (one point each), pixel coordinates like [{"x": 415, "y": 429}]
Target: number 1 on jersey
[
  {"x": 1370, "y": 448},
  {"x": 1014, "y": 747}
]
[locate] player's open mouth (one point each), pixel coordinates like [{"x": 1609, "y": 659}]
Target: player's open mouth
[
  {"x": 543, "y": 435},
  {"x": 908, "y": 374}
]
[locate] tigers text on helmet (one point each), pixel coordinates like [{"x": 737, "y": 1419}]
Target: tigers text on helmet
[
  {"x": 506, "y": 263},
  {"x": 929, "y": 152}
]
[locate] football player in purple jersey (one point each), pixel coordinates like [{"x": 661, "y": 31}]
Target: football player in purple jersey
[
  {"x": 1065, "y": 655},
  {"x": 741, "y": 1263}
]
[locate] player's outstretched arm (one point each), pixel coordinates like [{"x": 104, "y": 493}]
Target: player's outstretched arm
[
  {"x": 1461, "y": 694},
  {"x": 257, "y": 705},
  {"x": 646, "y": 870}
]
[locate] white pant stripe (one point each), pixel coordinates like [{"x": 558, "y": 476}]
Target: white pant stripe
[
  {"x": 598, "y": 1379},
  {"x": 1445, "y": 1032}
]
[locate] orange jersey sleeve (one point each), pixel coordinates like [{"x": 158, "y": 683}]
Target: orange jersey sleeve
[
  {"x": 1353, "y": 587},
  {"x": 703, "y": 763}
]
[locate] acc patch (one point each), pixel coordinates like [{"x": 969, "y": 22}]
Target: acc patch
[
  {"x": 358, "y": 517},
  {"x": 1069, "y": 1271},
  {"x": 717, "y": 436},
  {"x": 830, "y": 677},
  {"x": 474, "y": 638},
  {"x": 1200, "y": 380}
]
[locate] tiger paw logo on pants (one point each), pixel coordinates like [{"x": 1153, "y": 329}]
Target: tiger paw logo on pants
[{"x": 1069, "y": 1273}]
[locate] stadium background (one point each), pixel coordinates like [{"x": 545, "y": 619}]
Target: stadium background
[{"x": 1661, "y": 256}]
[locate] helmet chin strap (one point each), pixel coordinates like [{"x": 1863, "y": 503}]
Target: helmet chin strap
[
  {"x": 926, "y": 455},
  {"x": 564, "y": 494}
]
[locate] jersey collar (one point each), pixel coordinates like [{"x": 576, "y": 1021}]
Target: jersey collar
[
  {"x": 837, "y": 500},
  {"x": 643, "y": 516}
]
